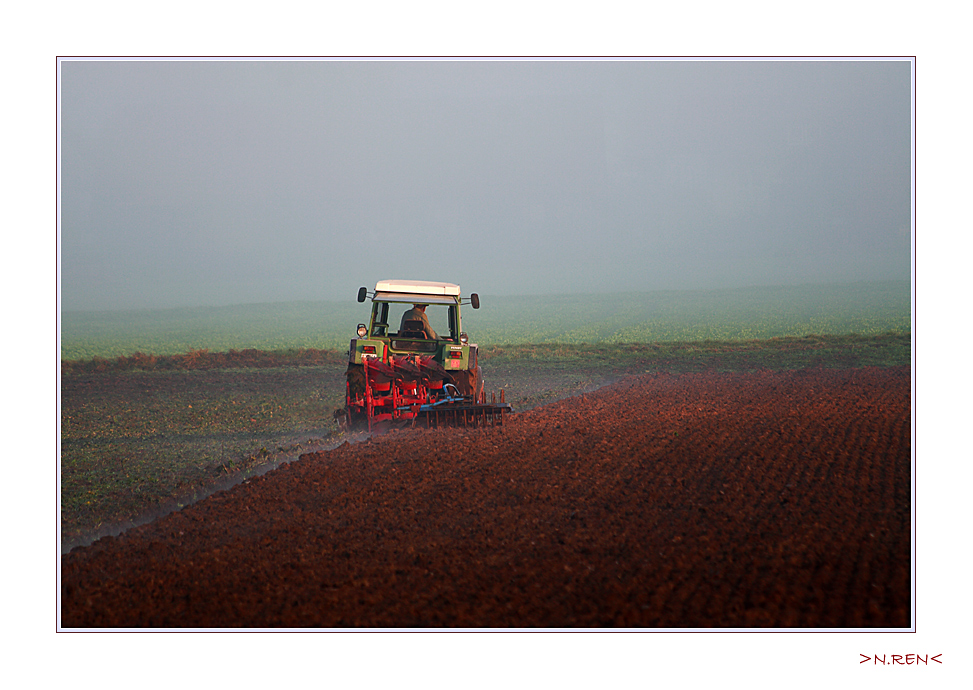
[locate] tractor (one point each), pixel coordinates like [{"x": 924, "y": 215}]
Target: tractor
[{"x": 410, "y": 368}]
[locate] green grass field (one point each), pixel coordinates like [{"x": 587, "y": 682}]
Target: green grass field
[{"x": 740, "y": 314}]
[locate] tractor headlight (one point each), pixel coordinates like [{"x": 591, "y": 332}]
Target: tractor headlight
[
  {"x": 362, "y": 331},
  {"x": 463, "y": 338}
]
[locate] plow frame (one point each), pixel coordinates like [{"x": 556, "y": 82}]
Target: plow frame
[{"x": 411, "y": 391}]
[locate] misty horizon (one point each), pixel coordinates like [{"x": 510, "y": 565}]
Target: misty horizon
[
  {"x": 351, "y": 299},
  {"x": 214, "y": 183}
]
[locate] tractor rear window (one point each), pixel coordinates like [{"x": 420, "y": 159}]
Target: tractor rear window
[{"x": 388, "y": 319}]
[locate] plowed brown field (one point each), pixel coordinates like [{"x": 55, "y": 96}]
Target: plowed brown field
[{"x": 760, "y": 499}]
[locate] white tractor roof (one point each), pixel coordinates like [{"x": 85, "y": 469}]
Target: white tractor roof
[{"x": 416, "y": 287}]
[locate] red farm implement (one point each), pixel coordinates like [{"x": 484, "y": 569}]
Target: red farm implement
[{"x": 416, "y": 391}]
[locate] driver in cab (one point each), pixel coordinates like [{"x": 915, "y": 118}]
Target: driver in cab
[{"x": 418, "y": 313}]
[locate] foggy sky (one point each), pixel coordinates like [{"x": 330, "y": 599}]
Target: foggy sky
[{"x": 215, "y": 183}]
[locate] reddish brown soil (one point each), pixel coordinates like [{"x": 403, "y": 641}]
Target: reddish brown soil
[{"x": 760, "y": 499}]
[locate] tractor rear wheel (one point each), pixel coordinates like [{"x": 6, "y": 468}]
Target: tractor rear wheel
[
  {"x": 469, "y": 382},
  {"x": 355, "y": 420}
]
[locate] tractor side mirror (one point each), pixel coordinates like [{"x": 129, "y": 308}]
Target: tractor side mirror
[
  {"x": 362, "y": 294},
  {"x": 475, "y": 300}
]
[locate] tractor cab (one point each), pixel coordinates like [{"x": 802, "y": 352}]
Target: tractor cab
[
  {"x": 431, "y": 321},
  {"x": 402, "y": 310}
]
